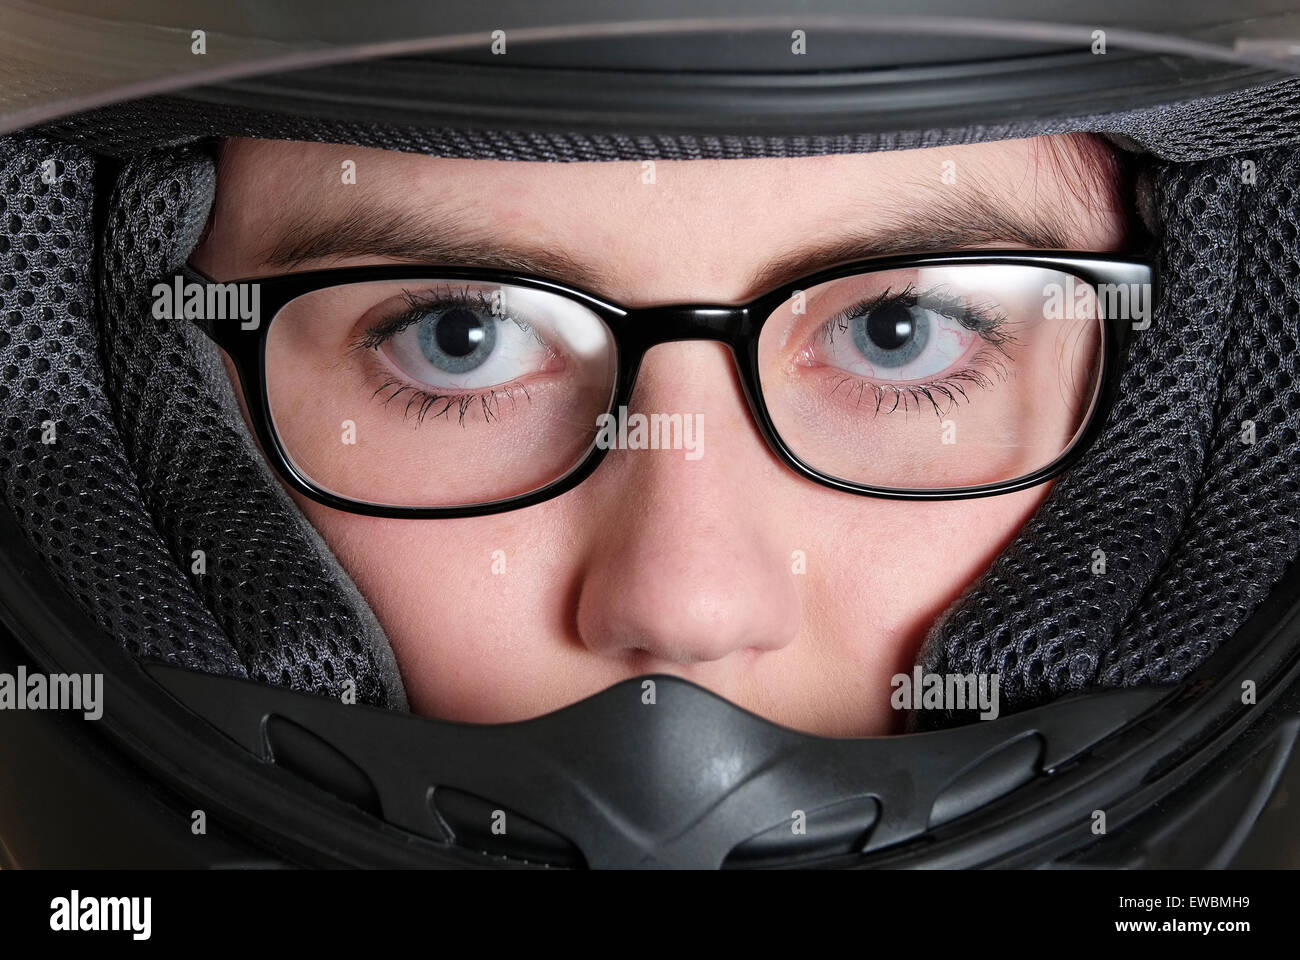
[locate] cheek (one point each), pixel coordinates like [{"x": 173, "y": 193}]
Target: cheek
[
  {"x": 468, "y": 620},
  {"x": 893, "y": 567}
]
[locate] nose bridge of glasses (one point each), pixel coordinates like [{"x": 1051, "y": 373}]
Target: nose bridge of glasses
[{"x": 665, "y": 324}]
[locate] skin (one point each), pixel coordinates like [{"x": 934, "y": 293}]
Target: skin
[{"x": 659, "y": 564}]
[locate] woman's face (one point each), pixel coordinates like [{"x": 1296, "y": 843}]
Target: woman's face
[{"x": 790, "y": 599}]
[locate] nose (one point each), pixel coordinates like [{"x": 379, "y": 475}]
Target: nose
[{"x": 693, "y": 564}]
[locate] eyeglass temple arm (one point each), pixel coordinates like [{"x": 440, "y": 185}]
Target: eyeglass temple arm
[{"x": 193, "y": 275}]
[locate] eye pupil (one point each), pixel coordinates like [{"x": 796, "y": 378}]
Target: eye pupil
[
  {"x": 459, "y": 332},
  {"x": 891, "y": 328}
]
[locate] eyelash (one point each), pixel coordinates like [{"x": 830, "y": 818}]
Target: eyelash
[
  {"x": 424, "y": 400},
  {"x": 417, "y": 309},
  {"x": 989, "y": 324}
]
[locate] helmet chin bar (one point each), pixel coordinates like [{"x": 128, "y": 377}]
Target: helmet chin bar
[{"x": 681, "y": 779}]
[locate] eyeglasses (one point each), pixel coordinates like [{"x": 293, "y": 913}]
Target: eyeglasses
[{"x": 427, "y": 391}]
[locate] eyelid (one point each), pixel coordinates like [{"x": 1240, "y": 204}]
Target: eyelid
[
  {"x": 380, "y": 333},
  {"x": 987, "y": 323}
]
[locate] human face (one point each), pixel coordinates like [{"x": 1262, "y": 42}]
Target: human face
[{"x": 792, "y": 600}]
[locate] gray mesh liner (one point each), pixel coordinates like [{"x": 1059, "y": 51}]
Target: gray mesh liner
[
  {"x": 1195, "y": 523},
  {"x": 119, "y": 515},
  {"x": 77, "y": 499},
  {"x": 1244, "y": 120},
  {"x": 1244, "y": 527}
]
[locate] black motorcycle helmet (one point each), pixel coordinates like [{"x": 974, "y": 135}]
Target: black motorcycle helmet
[{"x": 1151, "y": 707}]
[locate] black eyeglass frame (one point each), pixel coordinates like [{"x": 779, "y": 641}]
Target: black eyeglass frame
[{"x": 636, "y": 331}]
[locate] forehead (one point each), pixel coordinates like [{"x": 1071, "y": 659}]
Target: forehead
[
  {"x": 681, "y": 226},
  {"x": 297, "y": 173}
]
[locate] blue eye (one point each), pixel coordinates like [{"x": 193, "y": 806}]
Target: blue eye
[
  {"x": 457, "y": 339},
  {"x": 448, "y": 339},
  {"x": 905, "y": 336}
]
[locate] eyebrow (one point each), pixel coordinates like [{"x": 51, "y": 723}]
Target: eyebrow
[
  {"x": 449, "y": 240},
  {"x": 965, "y": 220},
  {"x": 958, "y": 219}
]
